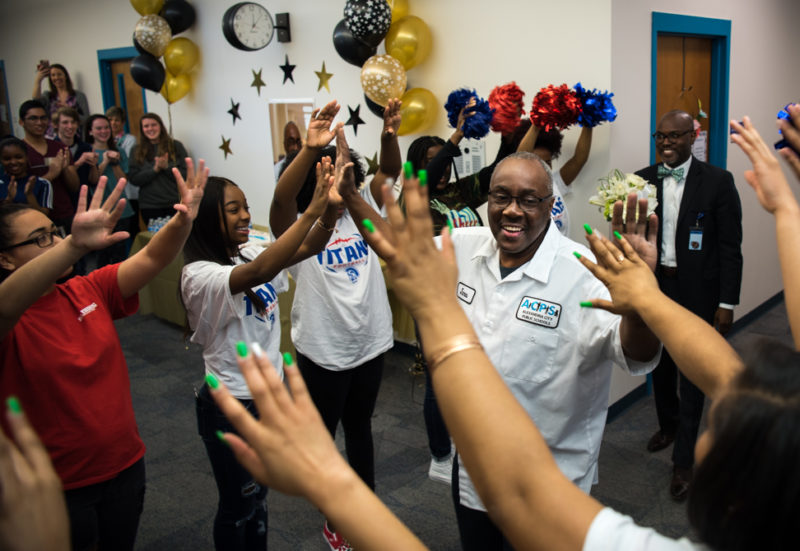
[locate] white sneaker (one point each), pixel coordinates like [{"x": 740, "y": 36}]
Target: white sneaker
[{"x": 441, "y": 470}]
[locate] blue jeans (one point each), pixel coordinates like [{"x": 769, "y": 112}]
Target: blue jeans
[{"x": 241, "y": 520}]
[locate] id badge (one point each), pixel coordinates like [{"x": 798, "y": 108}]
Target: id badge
[{"x": 696, "y": 238}]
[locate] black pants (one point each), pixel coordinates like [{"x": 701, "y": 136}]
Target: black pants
[
  {"x": 349, "y": 396},
  {"x": 106, "y": 515},
  {"x": 475, "y": 529},
  {"x": 679, "y": 403},
  {"x": 241, "y": 520}
]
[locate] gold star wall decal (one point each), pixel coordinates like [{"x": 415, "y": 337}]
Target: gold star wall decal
[
  {"x": 323, "y": 76},
  {"x": 257, "y": 81},
  {"x": 372, "y": 163},
  {"x": 226, "y": 147}
]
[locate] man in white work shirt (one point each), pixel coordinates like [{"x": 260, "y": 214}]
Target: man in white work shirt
[
  {"x": 699, "y": 267},
  {"x": 522, "y": 287}
]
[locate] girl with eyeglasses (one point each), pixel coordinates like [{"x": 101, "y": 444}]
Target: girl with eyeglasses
[{"x": 61, "y": 357}]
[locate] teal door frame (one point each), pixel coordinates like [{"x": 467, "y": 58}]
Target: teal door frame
[
  {"x": 104, "y": 60},
  {"x": 719, "y": 31}
]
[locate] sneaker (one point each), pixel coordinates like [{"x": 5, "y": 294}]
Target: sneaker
[
  {"x": 335, "y": 541},
  {"x": 441, "y": 470}
]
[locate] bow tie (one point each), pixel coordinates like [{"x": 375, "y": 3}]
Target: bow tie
[{"x": 676, "y": 173}]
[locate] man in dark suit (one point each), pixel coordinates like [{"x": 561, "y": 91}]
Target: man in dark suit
[{"x": 699, "y": 266}]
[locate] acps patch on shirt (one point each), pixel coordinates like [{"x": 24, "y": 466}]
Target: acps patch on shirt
[{"x": 539, "y": 312}]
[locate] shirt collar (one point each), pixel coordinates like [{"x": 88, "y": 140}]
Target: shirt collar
[
  {"x": 685, "y": 166},
  {"x": 538, "y": 267}
]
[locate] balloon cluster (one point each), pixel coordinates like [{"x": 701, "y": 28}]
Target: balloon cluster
[
  {"x": 408, "y": 43},
  {"x": 476, "y": 124},
  {"x": 153, "y": 38}
]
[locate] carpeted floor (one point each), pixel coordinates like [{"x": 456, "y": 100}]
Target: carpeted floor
[{"x": 181, "y": 494}]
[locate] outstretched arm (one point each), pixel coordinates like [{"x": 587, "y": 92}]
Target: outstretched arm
[
  {"x": 290, "y": 450},
  {"x": 775, "y": 195},
  {"x": 701, "y": 353},
  {"x": 390, "y": 161},
  {"x": 572, "y": 167},
  {"x": 321, "y": 131},
  {"x": 137, "y": 271},
  {"x": 92, "y": 229}
]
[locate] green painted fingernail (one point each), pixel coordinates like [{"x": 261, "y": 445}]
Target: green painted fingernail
[
  {"x": 13, "y": 405},
  {"x": 408, "y": 169},
  {"x": 368, "y": 225},
  {"x": 221, "y": 436},
  {"x": 577, "y": 254},
  {"x": 423, "y": 177},
  {"x": 450, "y": 225},
  {"x": 588, "y": 229},
  {"x": 586, "y": 304},
  {"x": 617, "y": 235},
  {"x": 212, "y": 381},
  {"x": 241, "y": 349},
  {"x": 287, "y": 359}
]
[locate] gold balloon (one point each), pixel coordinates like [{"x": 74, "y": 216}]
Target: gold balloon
[
  {"x": 181, "y": 55},
  {"x": 147, "y": 7},
  {"x": 399, "y": 9},
  {"x": 383, "y": 78},
  {"x": 409, "y": 41},
  {"x": 175, "y": 87},
  {"x": 152, "y": 32},
  {"x": 418, "y": 110}
]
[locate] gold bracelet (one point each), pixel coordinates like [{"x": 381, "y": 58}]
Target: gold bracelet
[
  {"x": 456, "y": 344},
  {"x": 322, "y": 225}
]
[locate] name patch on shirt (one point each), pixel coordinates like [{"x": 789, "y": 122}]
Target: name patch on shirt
[
  {"x": 465, "y": 293},
  {"x": 539, "y": 312}
]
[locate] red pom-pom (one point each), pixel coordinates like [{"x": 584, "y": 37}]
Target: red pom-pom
[
  {"x": 555, "y": 107},
  {"x": 506, "y": 100}
]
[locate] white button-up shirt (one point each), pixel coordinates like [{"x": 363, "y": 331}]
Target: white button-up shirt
[
  {"x": 671, "y": 194},
  {"x": 555, "y": 356}
]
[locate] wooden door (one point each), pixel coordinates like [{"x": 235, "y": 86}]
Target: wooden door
[
  {"x": 127, "y": 94},
  {"x": 6, "y": 124},
  {"x": 684, "y": 79}
]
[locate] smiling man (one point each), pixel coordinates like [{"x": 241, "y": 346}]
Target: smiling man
[
  {"x": 522, "y": 288},
  {"x": 699, "y": 267}
]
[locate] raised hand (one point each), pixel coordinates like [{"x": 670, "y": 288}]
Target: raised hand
[
  {"x": 29, "y": 188},
  {"x": 345, "y": 177},
  {"x": 319, "y": 201},
  {"x": 12, "y": 190},
  {"x": 87, "y": 158},
  {"x": 320, "y": 131},
  {"x": 766, "y": 177},
  {"x": 630, "y": 280},
  {"x": 466, "y": 112},
  {"x": 160, "y": 162},
  {"x": 641, "y": 232},
  {"x": 93, "y": 228},
  {"x": 191, "y": 189},
  {"x": 33, "y": 513},
  {"x": 391, "y": 118},
  {"x": 288, "y": 448},
  {"x": 792, "y": 135}
]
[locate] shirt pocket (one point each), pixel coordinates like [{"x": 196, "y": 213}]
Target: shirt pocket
[{"x": 529, "y": 353}]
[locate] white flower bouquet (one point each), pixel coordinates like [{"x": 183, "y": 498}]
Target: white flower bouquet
[{"x": 617, "y": 186}]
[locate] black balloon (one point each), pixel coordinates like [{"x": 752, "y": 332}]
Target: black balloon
[
  {"x": 376, "y": 108},
  {"x": 148, "y": 72},
  {"x": 368, "y": 20},
  {"x": 351, "y": 49},
  {"x": 137, "y": 45},
  {"x": 179, "y": 14}
]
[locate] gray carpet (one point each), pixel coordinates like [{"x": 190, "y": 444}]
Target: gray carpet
[{"x": 181, "y": 494}]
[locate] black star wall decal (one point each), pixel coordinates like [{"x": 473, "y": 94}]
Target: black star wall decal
[
  {"x": 257, "y": 81},
  {"x": 234, "y": 111},
  {"x": 354, "y": 119},
  {"x": 226, "y": 147},
  {"x": 287, "y": 69},
  {"x": 372, "y": 163}
]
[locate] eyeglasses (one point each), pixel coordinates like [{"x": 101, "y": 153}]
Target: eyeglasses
[
  {"x": 34, "y": 118},
  {"x": 527, "y": 203},
  {"x": 660, "y": 136},
  {"x": 42, "y": 241}
]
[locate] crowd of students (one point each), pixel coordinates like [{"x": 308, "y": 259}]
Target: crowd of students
[{"x": 526, "y": 457}]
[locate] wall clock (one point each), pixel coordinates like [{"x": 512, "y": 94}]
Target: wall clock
[{"x": 248, "y": 26}]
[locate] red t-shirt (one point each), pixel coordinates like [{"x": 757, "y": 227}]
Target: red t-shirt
[
  {"x": 63, "y": 209},
  {"x": 63, "y": 360}
]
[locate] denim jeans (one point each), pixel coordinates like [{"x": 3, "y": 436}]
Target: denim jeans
[
  {"x": 241, "y": 520},
  {"x": 106, "y": 515}
]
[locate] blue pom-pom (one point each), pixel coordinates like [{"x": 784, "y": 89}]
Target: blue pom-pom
[
  {"x": 597, "y": 106},
  {"x": 475, "y": 126}
]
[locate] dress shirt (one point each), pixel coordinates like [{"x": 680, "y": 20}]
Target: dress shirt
[{"x": 672, "y": 193}]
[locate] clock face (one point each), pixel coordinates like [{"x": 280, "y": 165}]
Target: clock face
[{"x": 251, "y": 26}]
